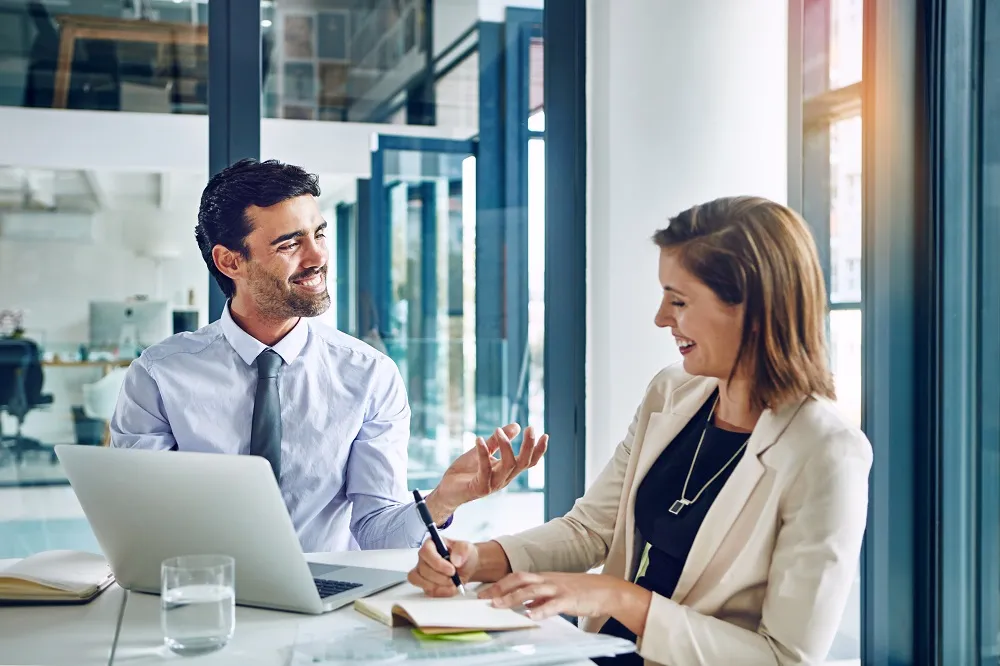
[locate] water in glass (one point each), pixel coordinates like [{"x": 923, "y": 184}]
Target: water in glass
[{"x": 197, "y": 604}]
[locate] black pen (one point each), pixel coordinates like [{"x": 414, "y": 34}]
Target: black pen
[{"x": 425, "y": 514}]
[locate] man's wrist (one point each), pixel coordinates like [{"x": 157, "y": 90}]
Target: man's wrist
[{"x": 441, "y": 511}]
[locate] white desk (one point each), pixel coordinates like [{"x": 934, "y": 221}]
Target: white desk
[
  {"x": 60, "y": 635},
  {"x": 84, "y": 635}
]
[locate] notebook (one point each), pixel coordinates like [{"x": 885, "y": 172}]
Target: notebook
[
  {"x": 443, "y": 616},
  {"x": 55, "y": 576}
]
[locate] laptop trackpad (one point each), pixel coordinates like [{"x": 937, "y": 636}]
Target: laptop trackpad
[{"x": 323, "y": 570}]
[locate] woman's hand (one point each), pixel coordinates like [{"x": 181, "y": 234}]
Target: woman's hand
[
  {"x": 433, "y": 573},
  {"x": 582, "y": 595}
]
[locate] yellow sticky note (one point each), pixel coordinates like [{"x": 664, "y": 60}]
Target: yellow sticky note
[{"x": 462, "y": 637}]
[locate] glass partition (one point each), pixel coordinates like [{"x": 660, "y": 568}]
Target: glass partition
[
  {"x": 148, "y": 56},
  {"x": 405, "y": 62},
  {"x": 95, "y": 266},
  {"x": 443, "y": 271},
  {"x": 419, "y": 192}
]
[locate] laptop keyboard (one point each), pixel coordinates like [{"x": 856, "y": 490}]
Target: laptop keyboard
[{"x": 328, "y": 588}]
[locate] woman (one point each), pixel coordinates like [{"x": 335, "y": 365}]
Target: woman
[{"x": 730, "y": 519}]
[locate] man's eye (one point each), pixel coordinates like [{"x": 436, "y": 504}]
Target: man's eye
[{"x": 290, "y": 246}]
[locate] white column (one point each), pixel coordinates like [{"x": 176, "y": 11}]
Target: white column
[{"x": 687, "y": 102}]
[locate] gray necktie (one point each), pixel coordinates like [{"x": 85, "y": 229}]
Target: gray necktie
[{"x": 265, "y": 429}]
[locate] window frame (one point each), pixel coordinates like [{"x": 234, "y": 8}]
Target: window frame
[
  {"x": 899, "y": 620},
  {"x": 898, "y": 560},
  {"x": 234, "y": 133},
  {"x": 811, "y": 119}
]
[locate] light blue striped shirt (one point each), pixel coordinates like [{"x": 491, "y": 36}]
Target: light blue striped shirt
[{"x": 344, "y": 415}]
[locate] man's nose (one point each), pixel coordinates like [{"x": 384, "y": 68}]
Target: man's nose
[{"x": 315, "y": 254}]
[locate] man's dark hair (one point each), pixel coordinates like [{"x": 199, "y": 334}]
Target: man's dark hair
[{"x": 222, "y": 216}]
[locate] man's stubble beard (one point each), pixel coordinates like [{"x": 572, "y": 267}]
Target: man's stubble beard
[{"x": 276, "y": 299}]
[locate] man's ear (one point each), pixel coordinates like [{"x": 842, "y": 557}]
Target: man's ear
[{"x": 228, "y": 262}]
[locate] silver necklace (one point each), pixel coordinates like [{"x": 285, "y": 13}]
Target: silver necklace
[{"x": 676, "y": 507}]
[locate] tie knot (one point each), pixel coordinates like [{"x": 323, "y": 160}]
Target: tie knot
[{"x": 268, "y": 363}]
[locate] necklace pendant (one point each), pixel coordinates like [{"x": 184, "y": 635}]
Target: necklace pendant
[{"x": 676, "y": 507}]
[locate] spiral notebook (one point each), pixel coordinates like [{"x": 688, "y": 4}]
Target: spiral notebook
[
  {"x": 55, "y": 577},
  {"x": 443, "y": 616}
]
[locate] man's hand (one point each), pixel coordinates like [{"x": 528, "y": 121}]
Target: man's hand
[{"x": 477, "y": 473}]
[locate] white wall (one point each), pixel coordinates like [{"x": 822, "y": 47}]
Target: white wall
[
  {"x": 156, "y": 142},
  {"x": 451, "y": 19},
  {"x": 495, "y": 10},
  {"x": 687, "y": 102},
  {"x": 54, "y": 282}
]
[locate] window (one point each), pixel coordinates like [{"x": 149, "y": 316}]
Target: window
[
  {"x": 138, "y": 57},
  {"x": 831, "y": 204}
]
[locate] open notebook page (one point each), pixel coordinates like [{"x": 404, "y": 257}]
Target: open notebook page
[
  {"x": 70, "y": 571},
  {"x": 433, "y": 615}
]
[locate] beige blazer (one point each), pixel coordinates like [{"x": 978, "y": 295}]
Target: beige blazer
[{"x": 769, "y": 573}]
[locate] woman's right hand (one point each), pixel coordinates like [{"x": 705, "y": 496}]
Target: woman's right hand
[{"x": 433, "y": 573}]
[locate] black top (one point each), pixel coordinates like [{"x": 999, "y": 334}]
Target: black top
[{"x": 671, "y": 535}]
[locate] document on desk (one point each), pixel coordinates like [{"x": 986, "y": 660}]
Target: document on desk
[
  {"x": 443, "y": 616},
  {"x": 552, "y": 641}
]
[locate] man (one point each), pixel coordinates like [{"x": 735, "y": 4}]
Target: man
[{"x": 328, "y": 411}]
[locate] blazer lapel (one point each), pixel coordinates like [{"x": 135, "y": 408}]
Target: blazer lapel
[
  {"x": 732, "y": 499},
  {"x": 661, "y": 429}
]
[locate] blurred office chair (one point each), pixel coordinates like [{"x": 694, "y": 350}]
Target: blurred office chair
[
  {"x": 43, "y": 57},
  {"x": 101, "y": 398},
  {"x": 21, "y": 382}
]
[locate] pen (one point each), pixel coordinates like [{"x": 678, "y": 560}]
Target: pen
[{"x": 425, "y": 514}]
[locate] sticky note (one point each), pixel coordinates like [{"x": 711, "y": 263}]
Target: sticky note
[{"x": 462, "y": 637}]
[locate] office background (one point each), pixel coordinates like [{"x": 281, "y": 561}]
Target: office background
[{"x": 493, "y": 170}]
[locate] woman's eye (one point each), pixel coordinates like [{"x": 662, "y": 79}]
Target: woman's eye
[{"x": 677, "y": 304}]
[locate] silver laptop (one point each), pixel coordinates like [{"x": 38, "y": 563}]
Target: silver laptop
[{"x": 146, "y": 506}]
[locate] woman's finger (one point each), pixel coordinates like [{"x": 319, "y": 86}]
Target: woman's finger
[
  {"x": 428, "y": 556},
  {"x": 526, "y": 593},
  {"x": 433, "y": 586},
  {"x": 416, "y": 579},
  {"x": 433, "y": 575},
  {"x": 508, "y": 584},
  {"x": 448, "y": 590},
  {"x": 548, "y": 608}
]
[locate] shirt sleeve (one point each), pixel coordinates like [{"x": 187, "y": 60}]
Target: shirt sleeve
[
  {"x": 140, "y": 420},
  {"x": 381, "y": 516}
]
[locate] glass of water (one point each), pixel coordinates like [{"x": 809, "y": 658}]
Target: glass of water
[{"x": 197, "y": 603}]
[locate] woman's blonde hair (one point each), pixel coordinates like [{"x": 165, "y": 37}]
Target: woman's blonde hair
[{"x": 755, "y": 252}]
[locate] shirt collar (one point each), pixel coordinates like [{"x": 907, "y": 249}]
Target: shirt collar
[{"x": 249, "y": 347}]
